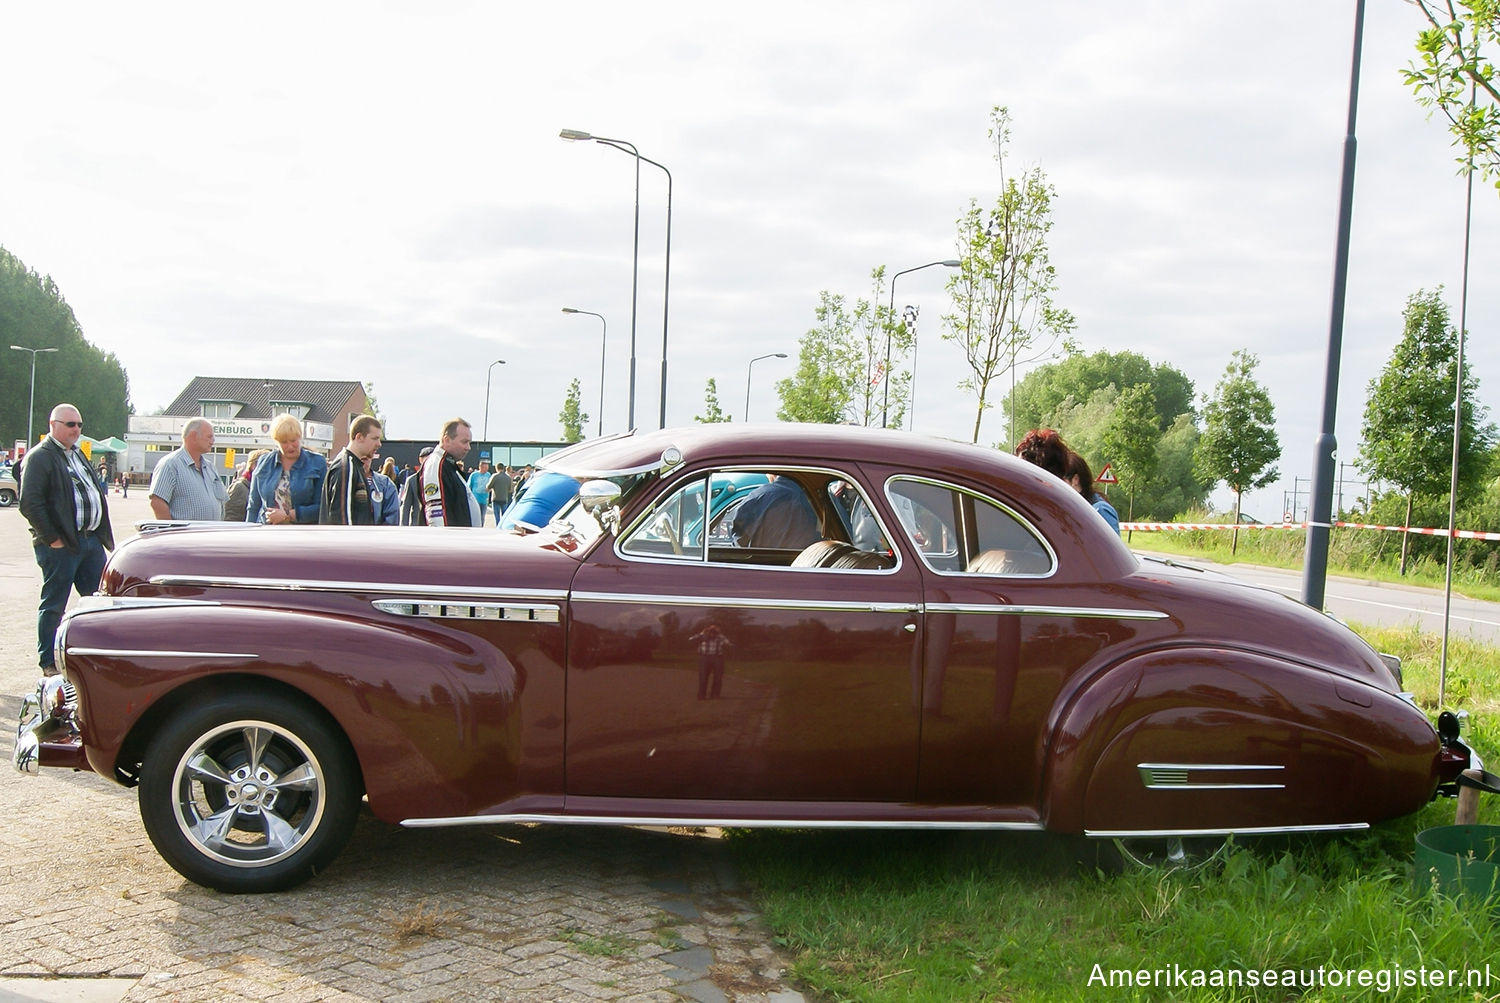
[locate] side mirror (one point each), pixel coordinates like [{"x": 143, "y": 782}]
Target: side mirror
[{"x": 598, "y": 500}]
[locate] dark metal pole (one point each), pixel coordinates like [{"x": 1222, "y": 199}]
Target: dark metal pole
[
  {"x": 890, "y": 315},
  {"x": 1315, "y": 563}
]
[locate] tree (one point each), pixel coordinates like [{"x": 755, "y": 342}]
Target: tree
[
  {"x": 1037, "y": 398},
  {"x": 841, "y": 373},
  {"x": 1454, "y": 76},
  {"x": 1131, "y": 439},
  {"x": 1002, "y": 293},
  {"x": 1408, "y": 422},
  {"x": 572, "y": 415},
  {"x": 33, "y": 313},
  {"x": 1239, "y": 444},
  {"x": 712, "y": 413}
]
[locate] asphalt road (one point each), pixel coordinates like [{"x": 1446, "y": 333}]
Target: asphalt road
[{"x": 1379, "y": 604}]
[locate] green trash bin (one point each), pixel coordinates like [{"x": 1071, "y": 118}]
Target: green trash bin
[{"x": 1460, "y": 860}]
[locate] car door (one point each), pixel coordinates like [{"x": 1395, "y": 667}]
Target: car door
[
  {"x": 702, "y": 670},
  {"x": 1005, "y": 634}
]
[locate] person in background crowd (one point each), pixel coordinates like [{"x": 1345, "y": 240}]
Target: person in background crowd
[
  {"x": 411, "y": 492},
  {"x": 68, "y": 510},
  {"x": 499, "y": 489},
  {"x": 479, "y": 487},
  {"x": 237, "y": 498},
  {"x": 446, "y": 499},
  {"x": 388, "y": 468},
  {"x": 348, "y": 498},
  {"x": 184, "y": 485},
  {"x": 776, "y": 515},
  {"x": 1081, "y": 476},
  {"x": 124, "y": 484},
  {"x": 387, "y": 496},
  {"x": 284, "y": 488},
  {"x": 403, "y": 475}
]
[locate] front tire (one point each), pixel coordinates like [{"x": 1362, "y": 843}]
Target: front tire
[
  {"x": 7, "y": 497},
  {"x": 251, "y": 793}
]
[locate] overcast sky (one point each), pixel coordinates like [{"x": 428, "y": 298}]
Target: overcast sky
[{"x": 377, "y": 192}]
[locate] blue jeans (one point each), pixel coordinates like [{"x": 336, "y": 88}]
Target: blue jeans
[
  {"x": 498, "y": 508},
  {"x": 63, "y": 570}
]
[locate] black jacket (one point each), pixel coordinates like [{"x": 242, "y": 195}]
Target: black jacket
[
  {"x": 47, "y": 498},
  {"x": 346, "y": 493}
]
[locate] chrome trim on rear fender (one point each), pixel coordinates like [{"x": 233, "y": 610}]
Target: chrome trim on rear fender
[
  {"x": 159, "y": 653},
  {"x": 441, "y": 609},
  {"x": 1174, "y": 777}
]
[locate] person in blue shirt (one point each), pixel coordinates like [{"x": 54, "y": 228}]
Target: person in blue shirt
[
  {"x": 1081, "y": 476},
  {"x": 479, "y": 487},
  {"x": 287, "y": 482}
]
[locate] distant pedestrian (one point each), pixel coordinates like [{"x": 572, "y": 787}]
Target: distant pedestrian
[
  {"x": 184, "y": 485},
  {"x": 68, "y": 509},
  {"x": 499, "y": 489},
  {"x": 479, "y": 487},
  {"x": 411, "y": 492}
]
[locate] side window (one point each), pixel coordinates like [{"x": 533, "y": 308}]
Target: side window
[
  {"x": 959, "y": 532},
  {"x": 764, "y": 518},
  {"x": 673, "y": 527}
]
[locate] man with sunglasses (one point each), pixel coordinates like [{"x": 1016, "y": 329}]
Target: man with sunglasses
[{"x": 68, "y": 510}]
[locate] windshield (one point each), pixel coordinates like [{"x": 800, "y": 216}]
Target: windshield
[{"x": 574, "y": 519}]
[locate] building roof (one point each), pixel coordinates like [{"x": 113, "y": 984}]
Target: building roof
[{"x": 326, "y": 399}]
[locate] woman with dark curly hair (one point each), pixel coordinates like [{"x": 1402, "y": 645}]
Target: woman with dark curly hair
[{"x": 1045, "y": 448}]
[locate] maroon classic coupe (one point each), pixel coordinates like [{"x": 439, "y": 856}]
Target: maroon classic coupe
[{"x": 892, "y": 630}]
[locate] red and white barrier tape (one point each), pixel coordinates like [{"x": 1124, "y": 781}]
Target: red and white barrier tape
[{"x": 1153, "y": 527}]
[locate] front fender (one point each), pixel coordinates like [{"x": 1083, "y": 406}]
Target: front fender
[
  {"x": 1199, "y": 738},
  {"x": 430, "y": 709}
]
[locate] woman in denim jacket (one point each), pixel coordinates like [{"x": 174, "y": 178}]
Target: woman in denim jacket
[{"x": 286, "y": 482}]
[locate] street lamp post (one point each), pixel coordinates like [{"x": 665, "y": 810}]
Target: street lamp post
[
  {"x": 750, "y": 369},
  {"x": 578, "y": 135},
  {"x": 31, "y": 407},
  {"x": 603, "y": 334},
  {"x": 488, "y": 373},
  {"x": 886, "y": 401}
]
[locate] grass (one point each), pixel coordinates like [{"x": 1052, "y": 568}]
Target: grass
[{"x": 922, "y": 916}]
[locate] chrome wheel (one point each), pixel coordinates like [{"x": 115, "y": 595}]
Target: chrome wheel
[
  {"x": 248, "y": 793},
  {"x": 1171, "y": 852}
]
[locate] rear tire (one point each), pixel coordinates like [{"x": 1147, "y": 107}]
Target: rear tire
[
  {"x": 249, "y": 793},
  {"x": 7, "y": 497}
]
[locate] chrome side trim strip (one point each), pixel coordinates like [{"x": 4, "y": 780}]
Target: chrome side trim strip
[
  {"x": 730, "y": 823},
  {"x": 431, "y": 607},
  {"x": 742, "y": 602},
  {"x": 1174, "y": 777},
  {"x": 393, "y": 588},
  {"x": 1096, "y": 612},
  {"x": 1253, "y": 830},
  {"x": 158, "y": 653}
]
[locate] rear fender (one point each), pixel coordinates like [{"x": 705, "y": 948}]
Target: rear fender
[{"x": 1204, "y": 738}]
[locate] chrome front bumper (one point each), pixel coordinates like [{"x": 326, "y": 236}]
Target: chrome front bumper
[{"x": 46, "y": 733}]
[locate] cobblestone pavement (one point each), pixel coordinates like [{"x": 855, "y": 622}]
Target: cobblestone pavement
[{"x": 469, "y": 913}]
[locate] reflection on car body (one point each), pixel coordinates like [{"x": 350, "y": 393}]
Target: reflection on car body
[{"x": 966, "y": 645}]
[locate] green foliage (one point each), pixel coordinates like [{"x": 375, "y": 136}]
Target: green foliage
[
  {"x": 1131, "y": 439},
  {"x": 1239, "y": 444},
  {"x": 33, "y": 313},
  {"x": 1003, "y": 313},
  {"x": 712, "y": 413},
  {"x": 1408, "y": 422},
  {"x": 1045, "y": 389},
  {"x": 1455, "y": 76},
  {"x": 842, "y": 376},
  {"x": 572, "y": 415}
]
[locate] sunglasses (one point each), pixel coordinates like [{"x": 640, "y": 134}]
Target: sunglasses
[{"x": 72, "y": 424}]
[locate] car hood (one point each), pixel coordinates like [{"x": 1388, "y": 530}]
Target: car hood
[{"x": 352, "y": 558}]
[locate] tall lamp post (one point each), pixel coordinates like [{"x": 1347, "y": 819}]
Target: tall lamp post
[
  {"x": 31, "y": 407},
  {"x": 603, "y": 335},
  {"x": 578, "y": 135},
  {"x": 886, "y": 401},
  {"x": 750, "y": 369},
  {"x": 488, "y": 373}
]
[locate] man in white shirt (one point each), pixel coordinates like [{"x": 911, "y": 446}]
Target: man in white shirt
[{"x": 184, "y": 485}]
